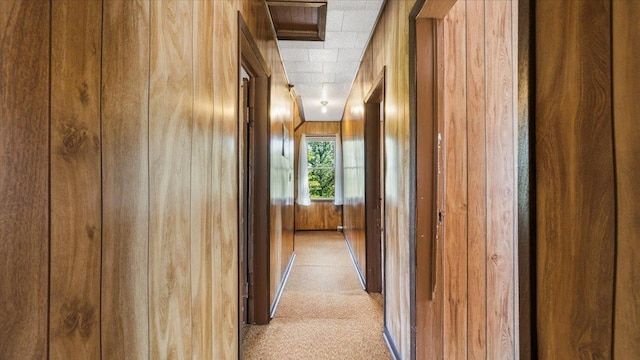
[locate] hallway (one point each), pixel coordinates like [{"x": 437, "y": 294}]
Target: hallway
[{"x": 323, "y": 313}]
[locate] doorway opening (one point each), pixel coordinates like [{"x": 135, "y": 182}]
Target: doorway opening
[
  {"x": 374, "y": 185},
  {"x": 253, "y": 183}
]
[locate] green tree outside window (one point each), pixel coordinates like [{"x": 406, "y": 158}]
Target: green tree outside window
[{"x": 322, "y": 168}]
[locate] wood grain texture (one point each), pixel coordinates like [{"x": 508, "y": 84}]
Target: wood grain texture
[
  {"x": 170, "y": 132},
  {"x": 74, "y": 328},
  {"x": 125, "y": 180},
  {"x": 626, "y": 89},
  {"x": 456, "y": 180},
  {"x": 24, "y": 178},
  {"x": 224, "y": 186},
  {"x": 436, "y": 9},
  {"x": 320, "y": 215},
  {"x": 201, "y": 180},
  {"x": 478, "y": 97},
  {"x": 574, "y": 179},
  {"x": 429, "y": 299},
  {"x": 501, "y": 183},
  {"x": 477, "y": 179}
]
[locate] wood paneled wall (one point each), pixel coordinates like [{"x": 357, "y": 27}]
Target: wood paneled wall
[
  {"x": 588, "y": 302},
  {"x": 388, "y": 49},
  {"x": 475, "y": 282},
  {"x": 320, "y": 215},
  {"x": 118, "y": 143},
  {"x": 477, "y": 291}
]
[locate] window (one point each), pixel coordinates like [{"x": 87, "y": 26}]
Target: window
[{"x": 322, "y": 167}]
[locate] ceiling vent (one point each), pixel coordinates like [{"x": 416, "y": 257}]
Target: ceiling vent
[{"x": 299, "y": 19}]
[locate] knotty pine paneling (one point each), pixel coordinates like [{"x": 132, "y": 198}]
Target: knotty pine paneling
[
  {"x": 74, "y": 318},
  {"x": 626, "y": 89},
  {"x": 24, "y": 178},
  {"x": 574, "y": 179},
  {"x": 320, "y": 215},
  {"x": 170, "y": 136},
  {"x": 125, "y": 179}
]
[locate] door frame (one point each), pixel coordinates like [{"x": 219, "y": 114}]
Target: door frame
[
  {"x": 251, "y": 59},
  {"x": 374, "y": 196}
]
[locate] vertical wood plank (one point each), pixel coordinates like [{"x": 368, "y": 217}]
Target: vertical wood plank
[
  {"x": 626, "y": 91},
  {"x": 75, "y": 179},
  {"x": 456, "y": 180},
  {"x": 201, "y": 181},
  {"x": 225, "y": 183},
  {"x": 477, "y": 175},
  {"x": 24, "y": 178},
  {"x": 125, "y": 187},
  {"x": 170, "y": 127},
  {"x": 575, "y": 183},
  {"x": 500, "y": 145}
]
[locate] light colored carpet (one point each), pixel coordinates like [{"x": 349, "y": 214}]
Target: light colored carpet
[{"x": 323, "y": 312}]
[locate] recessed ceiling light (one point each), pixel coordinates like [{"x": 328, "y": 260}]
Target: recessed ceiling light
[{"x": 324, "y": 106}]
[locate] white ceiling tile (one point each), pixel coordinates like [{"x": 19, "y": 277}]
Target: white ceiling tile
[
  {"x": 297, "y": 77},
  {"x": 339, "y": 67},
  {"x": 363, "y": 38},
  {"x": 373, "y": 5},
  {"x": 308, "y": 88},
  {"x": 322, "y": 78},
  {"x": 349, "y": 55},
  {"x": 359, "y": 20},
  {"x": 295, "y": 54},
  {"x": 291, "y": 44},
  {"x": 308, "y": 66},
  {"x": 340, "y": 40},
  {"x": 344, "y": 77},
  {"x": 334, "y": 19},
  {"x": 346, "y": 4},
  {"x": 323, "y": 55}
]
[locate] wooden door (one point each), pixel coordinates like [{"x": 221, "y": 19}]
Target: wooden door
[{"x": 374, "y": 191}]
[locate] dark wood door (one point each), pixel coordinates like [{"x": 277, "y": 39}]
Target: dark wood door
[{"x": 373, "y": 198}]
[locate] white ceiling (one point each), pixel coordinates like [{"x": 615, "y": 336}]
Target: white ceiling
[{"x": 324, "y": 70}]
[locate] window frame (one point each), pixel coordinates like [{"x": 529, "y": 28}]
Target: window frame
[{"x": 321, "y": 138}]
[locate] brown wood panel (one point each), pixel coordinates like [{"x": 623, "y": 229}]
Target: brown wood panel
[
  {"x": 201, "y": 180},
  {"x": 477, "y": 183},
  {"x": 574, "y": 179},
  {"x": 501, "y": 271},
  {"x": 74, "y": 328},
  {"x": 24, "y": 178},
  {"x": 626, "y": 89},
  {"x": 224, "y": 186},
  {"x": 437, "y": 9},
  {"x": 456, "y": 180},
  {"x": 170, "y": 127},
  {"x": 125, "y": 180},
  {"x": 320, "y": 215},
  {"x": 428, "y": 280}
]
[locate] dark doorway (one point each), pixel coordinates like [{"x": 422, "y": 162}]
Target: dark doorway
[
  {"x": 253, "y": 183},
  {"x": 374, "y": 184}
]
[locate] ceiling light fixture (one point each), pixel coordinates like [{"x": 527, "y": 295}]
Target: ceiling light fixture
[{"x": 324, "y": 106}]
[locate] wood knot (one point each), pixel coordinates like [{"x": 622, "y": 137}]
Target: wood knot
[
  {"x": 74, "y": 138},
  {"x": 77, "y": 315},
  {"x": 91, "y": 231},
  {"x": 83, "y": 94}
]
